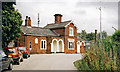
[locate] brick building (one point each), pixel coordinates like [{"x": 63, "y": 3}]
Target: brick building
[{"x": 58, "y": 37}]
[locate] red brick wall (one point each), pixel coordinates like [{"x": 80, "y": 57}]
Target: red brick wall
[
  {"x": 71, "y": 37},
  {"x": 49, "y": 40},
  {"x": 60, "y": 31},
  {"x": 82, "y": 48},
  {"x": 39, "y": 43},
  {"x": 25, "y": 40},
  {"x": 35, "y": 46}
]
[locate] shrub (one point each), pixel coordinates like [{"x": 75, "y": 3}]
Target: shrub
[
  {"x": 102, "y": 56},
  {"x": 95, "y": 59}
]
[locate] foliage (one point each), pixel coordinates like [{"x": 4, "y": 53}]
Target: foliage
[
  {"x": 95, "y": 59},
  {"x": 83, "y": 34},
  {"x": 11, "y": 22},
  {"x": 104, "y": 35},
  {"x": 86, "y": 36},
  {"x": 116, "y": 36},
  {"x": 90, "y": 36},
  {"x": 116, "y": 48},
  {"x": 102, "y": 56}
]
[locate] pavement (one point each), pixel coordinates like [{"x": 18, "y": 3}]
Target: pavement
[{"x": 49, "y": 62}]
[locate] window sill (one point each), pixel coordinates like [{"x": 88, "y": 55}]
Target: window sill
[
  {"x": 70, "y": 48},
  {"x": 42, "y": 49},
  {"x": 71, "y": 35}
]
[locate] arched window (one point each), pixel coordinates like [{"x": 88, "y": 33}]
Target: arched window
[
  {"x": 30, "y": 46},
  {"x": 71, "y": 31},
  {"x": 36, "y": 40}
]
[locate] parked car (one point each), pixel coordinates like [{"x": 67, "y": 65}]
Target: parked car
[
  {"x": 25, "y": 51},
  {"x": 16, "y": 54},
  {"x": 5, "y": 61}
]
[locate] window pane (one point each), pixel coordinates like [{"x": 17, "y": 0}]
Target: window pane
[
  {"x": 44, "y": 44},
  {"x": 41, "y": 44},
  {"x": 36, "y": 40},
  {"x": 22, "y": 48},
  {"x": 11, "y": 50},
  {"x": 72, "y": 44},
  {"x": 69, "y": 44},
  {"x": 30, "y": 44},
  {"x": 72, "y": 31}
]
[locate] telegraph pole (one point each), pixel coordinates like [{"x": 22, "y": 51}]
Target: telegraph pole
[{"x": 100, "y": 24}]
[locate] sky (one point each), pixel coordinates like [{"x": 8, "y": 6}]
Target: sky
[{"x": 85, "y": 14}]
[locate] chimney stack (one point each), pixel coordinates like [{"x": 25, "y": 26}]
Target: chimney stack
[
  {"x": 95, "y": 36},
  {"x": 58, "y": 18},
  {"x": 27, "y": 21}
]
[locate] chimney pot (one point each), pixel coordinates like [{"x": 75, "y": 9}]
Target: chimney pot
[
  {"x": 26, "y": 17},
  {"x": 29, "y": 18}
]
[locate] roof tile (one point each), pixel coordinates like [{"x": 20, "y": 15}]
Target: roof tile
[{"x": 37, "y": 31}]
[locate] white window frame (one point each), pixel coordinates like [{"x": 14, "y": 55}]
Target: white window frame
[
  {"x": 36, "y": 40},
  {"x": 43, "y": 44},
  {"x": 71, "y": 40},
  {"x": 71, "y": 31}
]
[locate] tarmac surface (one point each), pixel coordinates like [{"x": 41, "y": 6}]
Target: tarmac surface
[{"x": 49, "y": 62}]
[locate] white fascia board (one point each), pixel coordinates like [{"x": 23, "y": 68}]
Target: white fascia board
[{"x": 69, "y": 23}]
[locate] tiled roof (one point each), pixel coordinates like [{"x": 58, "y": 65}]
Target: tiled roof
[
  {"x": 60, "y": 25},
  {"x": 37, "y": 31}
]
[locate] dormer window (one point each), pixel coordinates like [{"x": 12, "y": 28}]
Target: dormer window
[{"x": 71, "y": 31}]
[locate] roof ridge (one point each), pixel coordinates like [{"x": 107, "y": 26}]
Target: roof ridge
[
  {"x": 36, "y": 27},
  {"x": 33, "y": 26},
  {"x": 60, "y": 22}
]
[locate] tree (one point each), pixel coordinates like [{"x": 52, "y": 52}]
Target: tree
[
  {"x": 87, "y": 36},
  {"x": 90, "y": 36},
  {"x": 11, "y": 22},
  {"x": 116, "y": 36},
  {"x": 104, "y": 35},
  {"x": 116, "y": 40},
  {"x": 83, "y": 34}
]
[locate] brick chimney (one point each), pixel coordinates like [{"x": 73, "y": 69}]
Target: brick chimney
[
  {"x": 58, "y": 18},
  {"x": 27, "y": 21}
]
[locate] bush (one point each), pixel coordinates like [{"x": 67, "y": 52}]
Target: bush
[
  {"x": 102, "y": 56},
  {"x": 95, "y": 59}
]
